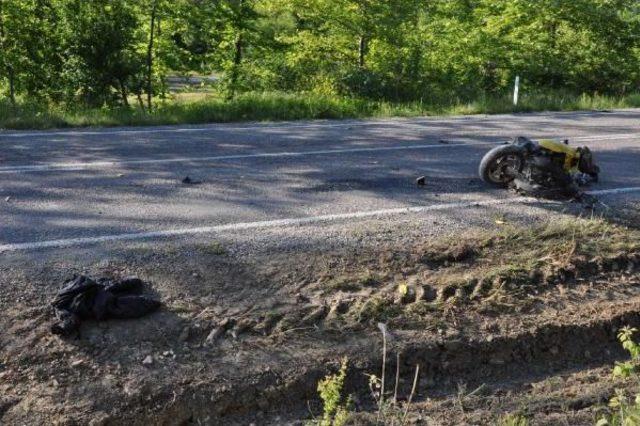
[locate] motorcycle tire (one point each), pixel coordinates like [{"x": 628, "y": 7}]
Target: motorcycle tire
[{"x": 492, "y": 158}]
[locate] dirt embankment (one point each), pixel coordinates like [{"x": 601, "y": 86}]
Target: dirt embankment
[{"x": 246, "y": 340}]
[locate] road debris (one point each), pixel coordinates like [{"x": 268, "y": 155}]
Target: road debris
[
  {"x": 421, "y": 181},
  {"x": 189, "y": 181},
  {"x": 83, "y": 298}
]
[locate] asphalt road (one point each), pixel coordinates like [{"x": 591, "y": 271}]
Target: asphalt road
[{"x": 80, "y": 187}]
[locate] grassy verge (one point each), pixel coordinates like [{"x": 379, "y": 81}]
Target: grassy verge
[{"x": 275, "y": 106}]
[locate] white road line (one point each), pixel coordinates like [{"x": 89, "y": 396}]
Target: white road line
[
  {"x": 604, "y": 137},
  {"x": 77, "y": 166},
  {"x": 615, "y": 191},
  {"x": 112, "y": 164},
  {"x": 72, "y": 242}
]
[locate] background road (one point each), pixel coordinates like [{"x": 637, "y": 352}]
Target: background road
[{"x": 63, "y": 185}]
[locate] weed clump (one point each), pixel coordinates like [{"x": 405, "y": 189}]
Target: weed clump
[
  {"x": 336, "y": 407},
  {"x": 625, "y": 411}
]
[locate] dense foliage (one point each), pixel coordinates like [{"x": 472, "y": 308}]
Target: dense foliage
[{"x": 109, "y": 52}]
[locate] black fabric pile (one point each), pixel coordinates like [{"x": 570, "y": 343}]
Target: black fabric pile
[{"x": 82, "y": 298}]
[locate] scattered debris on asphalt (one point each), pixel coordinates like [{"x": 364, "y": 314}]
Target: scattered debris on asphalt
[
  {"x": 443, "y": 141},
  {"x": 83, "y": 298},
  {"x": 188, "y": 181},
  {"x": 7, "y": 199},
  {"x": 421, "y": 181}
]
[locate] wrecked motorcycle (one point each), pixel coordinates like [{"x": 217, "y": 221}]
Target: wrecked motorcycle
[{"x": 541, "y": 168}]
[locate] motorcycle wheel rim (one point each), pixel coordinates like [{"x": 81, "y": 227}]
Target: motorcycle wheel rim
[{"x": 504, "y": 169}]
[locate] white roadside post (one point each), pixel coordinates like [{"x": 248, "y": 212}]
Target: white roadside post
[{"x": 516, "y": 91}]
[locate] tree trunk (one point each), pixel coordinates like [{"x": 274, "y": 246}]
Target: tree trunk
[
  {"x": 362, "y": 51},
  {"x": 235, "y": 70},
  {"x": 123, "y": 93},
  {"x": 553, "y": 32},
  {"x": 150, "y": 54},
  {"x": 12, "y": 85}
]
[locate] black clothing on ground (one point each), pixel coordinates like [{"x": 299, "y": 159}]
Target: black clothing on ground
[{"x": 83, "y": 298}]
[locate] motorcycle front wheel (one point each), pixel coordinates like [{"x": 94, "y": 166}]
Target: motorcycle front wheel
[{"x": 501, "y": 165}]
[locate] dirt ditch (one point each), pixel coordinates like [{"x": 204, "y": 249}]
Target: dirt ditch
[
  {"x": 548, "y": 350},
  {"x": 243, "y": 341}
]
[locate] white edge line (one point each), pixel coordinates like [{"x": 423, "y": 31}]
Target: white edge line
[
  {"x": 114, "y": 164},
  {"x": 279, "y": 223}
]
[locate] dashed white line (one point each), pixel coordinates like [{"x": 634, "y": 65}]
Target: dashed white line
[
  {"x": 72, "y": 242},
  {"x": 112, "y": 164}
]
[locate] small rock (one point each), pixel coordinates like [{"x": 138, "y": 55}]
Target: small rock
[
  {"x": 7, "y": 199},
  {"x": 188, "y": 181},
  {"x": 148, "y": 360},
  {"x": 421, "y": 181},
  {"x": 77, "y": 363}
]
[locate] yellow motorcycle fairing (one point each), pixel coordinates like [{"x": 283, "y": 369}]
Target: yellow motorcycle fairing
[{"x": 572, "y": 155}]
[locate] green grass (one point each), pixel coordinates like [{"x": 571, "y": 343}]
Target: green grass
[{"x": 274, "y": 106}]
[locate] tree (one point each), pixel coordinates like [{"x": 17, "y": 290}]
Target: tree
[
  {"x": 8, "y": 46},
  {"x": 100, "y": 66}
]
